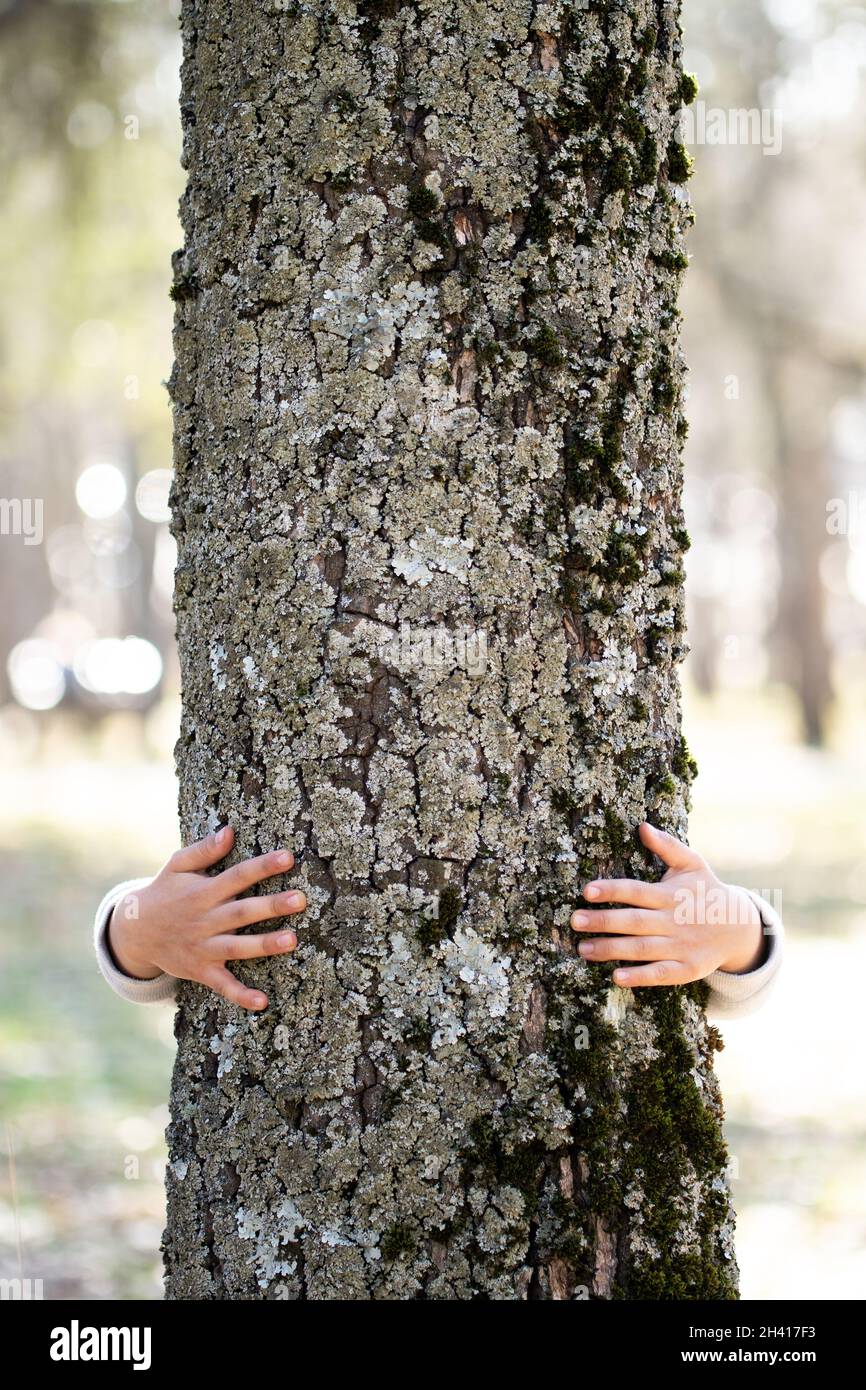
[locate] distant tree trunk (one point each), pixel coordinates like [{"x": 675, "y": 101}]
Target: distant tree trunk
[
  {"x": 804, "y": 486},
  {"x": 428, "y": 423}
]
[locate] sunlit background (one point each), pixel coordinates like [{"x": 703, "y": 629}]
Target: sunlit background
[{"x": 775, "y": 333}]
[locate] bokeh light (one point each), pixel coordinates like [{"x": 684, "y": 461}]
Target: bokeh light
[
  {"x": 856, "y": 572},
  {"x": 118, "y": 666},
  {"x": 36, "y": 675},
  {"x": 100, "y": 490},
  {"x": 151, "y": 495}
]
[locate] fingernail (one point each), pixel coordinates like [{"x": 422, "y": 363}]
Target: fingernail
[
  {"x": 585, "y": 948},
  {"x": 259, "y": 1001},
  {"x": 580, "y": 919},
  {"x": 295, "y": 900},
  {"x": 590, "y": 891},
  {"x": 284, "y": 857},
  {"x": 221, "y": 834},
  {"x": 286, "y": 940},
  {"x": 620, "y": 977}
]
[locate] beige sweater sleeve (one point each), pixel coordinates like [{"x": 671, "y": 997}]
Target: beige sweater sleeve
[
  {"x": 161, "y": 988},
  {"x": 730, "y": 995}
]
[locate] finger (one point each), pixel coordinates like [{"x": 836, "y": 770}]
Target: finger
[
  {"x": 223, "y": 982},
  {"x": 246, "y": 911},
  {"x": 626, "y": 948},
  {"x": 203, "y": 853},
  {"x": 271, "y": 943},
  {"x": 626, "y": 920},
  {"x": 242, "y": 876},
  {"x": 627, "y": 890},
  {"x": 661, "y": 972},
  {"x": 668, "y": 848}
]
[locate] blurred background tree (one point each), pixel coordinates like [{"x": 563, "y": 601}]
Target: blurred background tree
[
  {"x": 89, "y": 166},
  {"x": 774, "y": 312},
  {"x": 774, "y": 306}
]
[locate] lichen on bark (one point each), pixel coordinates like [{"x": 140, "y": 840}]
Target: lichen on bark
[{"x": 428, "y": 381}]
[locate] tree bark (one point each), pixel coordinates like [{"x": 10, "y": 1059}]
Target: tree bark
[{"x": 427, "y": 424}]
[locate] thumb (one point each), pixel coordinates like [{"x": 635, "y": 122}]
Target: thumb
[
  {"x": 669, "y": 849},
  {"x": 203, "y": 853}
]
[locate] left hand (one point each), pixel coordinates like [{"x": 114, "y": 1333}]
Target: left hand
[{"x": 686, "y": 926}]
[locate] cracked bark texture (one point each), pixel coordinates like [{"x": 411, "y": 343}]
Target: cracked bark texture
[{"x": 428, "y": 421}]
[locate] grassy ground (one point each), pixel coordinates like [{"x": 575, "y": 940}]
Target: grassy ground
[{"x": 85, "y": 1077}]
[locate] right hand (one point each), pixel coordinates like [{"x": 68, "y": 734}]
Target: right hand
[{"x": 182, "y": 922}]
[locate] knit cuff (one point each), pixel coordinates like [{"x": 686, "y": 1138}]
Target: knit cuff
[{"x": 161, "y": 988}]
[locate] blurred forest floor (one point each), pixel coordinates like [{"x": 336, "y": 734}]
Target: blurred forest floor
[{"x": 85, "y": 1077}]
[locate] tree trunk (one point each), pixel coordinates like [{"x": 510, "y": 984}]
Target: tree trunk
[
  {"x": 428, "y": 422},
  {"x": 795, "y": 386}
]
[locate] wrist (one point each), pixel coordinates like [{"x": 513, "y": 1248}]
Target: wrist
[
  {"x": 747, "y": 946},
  {"x": 119, "y": 939}
]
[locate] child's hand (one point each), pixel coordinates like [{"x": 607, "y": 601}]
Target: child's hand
[
  {"x": 182, "y": 922},
  {"x": 687, "y": 926}
]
